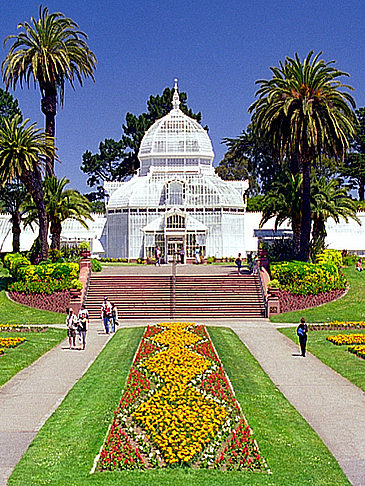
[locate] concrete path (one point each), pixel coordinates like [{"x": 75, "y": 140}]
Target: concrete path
[
  {"x": 331, "y": 405},
  {"x": 31, "y": 396}
]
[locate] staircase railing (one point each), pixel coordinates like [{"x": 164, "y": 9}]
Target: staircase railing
[
  {"x": 173, "y": 288},
  {"x": 263, "y": 290}
]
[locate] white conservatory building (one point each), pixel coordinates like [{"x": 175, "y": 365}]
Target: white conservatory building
[{"x": 176, "y": 200}]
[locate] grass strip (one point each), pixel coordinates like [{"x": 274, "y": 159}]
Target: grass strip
[
  {"x": 36, "y": 344},
  {"x": 348, "y": 308},
  {"x": 64, "y": 450},
  {"x": 338, "y": 358}
]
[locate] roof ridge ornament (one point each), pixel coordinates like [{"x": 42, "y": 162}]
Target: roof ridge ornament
[{"x": 176, "y": 97}]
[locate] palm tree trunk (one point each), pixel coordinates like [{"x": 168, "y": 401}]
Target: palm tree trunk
[
  {"x": 296, "y": 239},
  {"x": 15, "y": 221},
  {"x": 49, "y": 109},
  {"x": 33, "y": 182},
  {"x": 56, "y": 228},
  {"x": 305, "y": 228}
]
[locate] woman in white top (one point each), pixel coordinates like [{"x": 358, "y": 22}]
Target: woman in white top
[{"x": 71, "y": 323}]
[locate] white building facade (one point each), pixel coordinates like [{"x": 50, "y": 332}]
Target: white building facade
[{"x": 176, "y": 201}]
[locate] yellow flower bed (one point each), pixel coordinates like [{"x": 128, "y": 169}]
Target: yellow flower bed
[
  {"x": 11, "y": 342},
  {"x": 359, "y": 350},
  {"x": 350, "y": 324},
  {"x": 2, "y": 351},
  {"x": 178, "y": 408},
  {"x": 341, "y": 339}
]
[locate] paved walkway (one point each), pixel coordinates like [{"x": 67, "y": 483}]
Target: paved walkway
[
  {"x": 31, "y": 396},
  {"x": 331, "y": 405},
  {"x": 166, "y": 269}
]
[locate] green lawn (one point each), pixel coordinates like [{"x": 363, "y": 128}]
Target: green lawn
[
  {"x": 64, "y": 450},
  {"x": 13, "y": 313},
  {"x": 37, "y": 343},
  {"x": 348, "y": 308},
  {"x": 338, "y": 358}
]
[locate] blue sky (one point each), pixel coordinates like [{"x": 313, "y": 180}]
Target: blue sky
[{"x": 216, "y": 49}]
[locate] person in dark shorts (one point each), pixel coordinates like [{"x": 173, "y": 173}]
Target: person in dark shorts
[
  {"x": 238, "y": 262},
  {"x": 302, "y": 330}
]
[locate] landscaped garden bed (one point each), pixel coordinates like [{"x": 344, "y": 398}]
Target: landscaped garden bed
[{"x": 178, "y": 408}]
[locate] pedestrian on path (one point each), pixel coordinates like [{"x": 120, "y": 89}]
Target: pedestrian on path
[
  {"x": 238, "y": 262},
  {"x": 71, "y": 323},
  {"x": 197, "y": 255},
  {"x": 106, "y": 314},
  {"x": 83, "y": 324},
  {"x": 158, "y": 256},
  {"x": 302, "y": 330},
  {"x": 82, "y": 312},
  {"x": 114, "y": 319}
]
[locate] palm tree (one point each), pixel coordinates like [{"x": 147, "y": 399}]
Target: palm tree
[
  {"x": 12, "y": 196},
  {"x": 50, "y": 50},
  {"x": 303, "y": 113},
  {"x": 23, "y": 151},
  {"x": 60, "y": 204},
  {"x": 329, "y": 200},
  {"x": 283, "y": 201}
]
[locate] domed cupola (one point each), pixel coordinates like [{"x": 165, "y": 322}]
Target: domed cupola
[{"x": 175, "y": 141}]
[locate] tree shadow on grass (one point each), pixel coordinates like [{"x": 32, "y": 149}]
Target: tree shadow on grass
[{"x": 4, "y": 281}]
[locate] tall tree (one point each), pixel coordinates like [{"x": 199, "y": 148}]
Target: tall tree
[
  {"x": 60, "y": 204},
  {"x": 302, "y": 113},
  {"x": 249, "y": 157},
  {"x": 117, "y": 160},
  {"x": 354, "y": 164},
  {"x": 9, "y": 106},
  {"x": 329, "y": 200},
  {"x": 50, "y": 50},
  {"x": 284, "y": 202},
  {"x": 12, "y": 196},
  {"x": 23, "y": 152}
]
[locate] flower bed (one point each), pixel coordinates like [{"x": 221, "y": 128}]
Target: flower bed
[
  {"x": 21, "y": 328},
  {"x": 56, "y": 302},
  {"x": 178, "y": 408},
  {"x": 342, "y": 339},
  {"x": 11, "y": 342},
  {"x": 337, "y": 325},
  {"x": 358, "y": 350},
  {"x": 292, "y": 302}
]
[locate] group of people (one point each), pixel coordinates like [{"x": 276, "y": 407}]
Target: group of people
[
  {"x": 251, "y": 263},
  {"x": 109, "y": 315},
  {"x": 77, "y": 324}
]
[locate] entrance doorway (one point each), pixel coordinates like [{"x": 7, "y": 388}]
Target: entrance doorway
[{"x": 174, "y": 247}]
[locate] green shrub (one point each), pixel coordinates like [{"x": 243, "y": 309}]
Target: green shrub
[
  {"x": 14, "y": 261},
  {"x": 76, "y": 284},
  {"x": 307, "y": 278},
  {"x": 45, "y": 272},
  {"x": 85, "y": 245},
  {"x": 350, "y": 260},
  {"x": 41, "y": 287},
  {"x": 330, "y": 256},
  {"x": 281, "y": 250},
  {"x": 95, "y": 265},
  {"x": 211, "y": 259}
]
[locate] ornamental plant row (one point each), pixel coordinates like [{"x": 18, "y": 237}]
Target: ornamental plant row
[{"x": 178, "y": 408}]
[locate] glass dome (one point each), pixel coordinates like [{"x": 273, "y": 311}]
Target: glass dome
[{"x": 176, "y": 138}]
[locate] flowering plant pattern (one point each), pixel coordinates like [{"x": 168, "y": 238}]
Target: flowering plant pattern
[
  {"x": 178, "y": 408},
  {"x": 358, "y": 350},
  {"x": 341, "y": 339}
]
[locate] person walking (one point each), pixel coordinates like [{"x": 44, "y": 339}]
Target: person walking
[
  {"x": 158, "y": 256},
  {"x": 359, "y": 265},
  {"x": 106, "y": 314},
  {"x": 249, "y": 262},
  {"x": 82, "y": 312},
  {"x": 71, "y": 323},
  {"x": 302, "y": 330},
  {"x": 238, "y": 262},
  {"x": 197, "y": 254},
  {"x": 182, "y": 255},
  {"x": 83, "y": 324},
  {"x": 114, "y": 318}
]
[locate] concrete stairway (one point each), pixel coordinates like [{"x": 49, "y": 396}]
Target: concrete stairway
[{"x": 195, "y": 296}]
